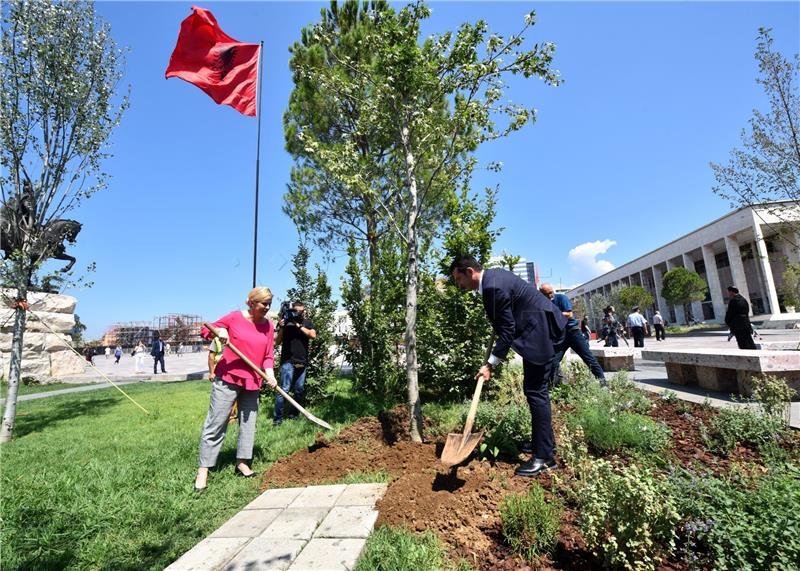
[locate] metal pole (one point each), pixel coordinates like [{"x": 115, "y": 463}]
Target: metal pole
[{"x": 258, "y": 155}]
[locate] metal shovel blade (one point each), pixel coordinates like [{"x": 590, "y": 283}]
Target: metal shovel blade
[{"x": 457, "y": 447}]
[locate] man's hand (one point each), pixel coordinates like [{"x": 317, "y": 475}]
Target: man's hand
[{"x": 485, "y": 372}]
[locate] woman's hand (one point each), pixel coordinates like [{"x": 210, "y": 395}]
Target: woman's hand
[{"x": 272, "y": 382}]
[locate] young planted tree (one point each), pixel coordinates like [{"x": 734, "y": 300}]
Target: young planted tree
[
  {"x": 767, "y": 167},
  {"x": 682, "y": 287},
  {"x": 59, "y": 69},
  {"x": 431, "y": 104}
]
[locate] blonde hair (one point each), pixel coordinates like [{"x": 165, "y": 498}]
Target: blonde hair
[{"x": 258, "y": 294}]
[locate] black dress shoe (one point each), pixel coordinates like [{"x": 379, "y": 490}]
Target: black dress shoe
[
  {"x": 525, "y": 447},
  {"x": 534, "y": 467}
]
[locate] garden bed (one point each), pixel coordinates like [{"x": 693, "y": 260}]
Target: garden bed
[{"x": 462, "y": 506}]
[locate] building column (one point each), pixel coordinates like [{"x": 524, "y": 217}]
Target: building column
[
  {"x": 766, "y": 268},
  {"x": 661, "y": 303},
  {"x": 680, "y": 314},
  {"x": 737, "y": 268},
  {"x": 712, "y": 278},
  {"x": 697, "y": 306}
]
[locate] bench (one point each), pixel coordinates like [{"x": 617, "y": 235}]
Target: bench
[
  {"x": 726, "y": 370},
  {"x": 614, "y": 358}
]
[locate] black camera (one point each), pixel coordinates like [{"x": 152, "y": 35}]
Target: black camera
[{"x": 289, "y": 315}]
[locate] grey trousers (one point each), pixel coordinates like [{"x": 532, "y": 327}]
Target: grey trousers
[{"x": 223, "y": 395}]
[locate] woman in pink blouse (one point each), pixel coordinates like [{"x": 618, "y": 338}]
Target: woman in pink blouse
[{"x": 252, "y": 333}]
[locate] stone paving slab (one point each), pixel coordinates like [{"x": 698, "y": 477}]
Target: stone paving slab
[
  {"x": 277, "y": 498},
  {"x": 361, "y": 495},
  {"x": 348, "y": 521},
  {"x": 210, "y": 554},
  {"x": 322, "y": 554},
  {"x": 247, "y": 523},
  {"x": 318, "y": 528},
  {"x": 318, "y": 496},
  {"x": 296, "y": 523},
  {"x": 266, "y": 554}
]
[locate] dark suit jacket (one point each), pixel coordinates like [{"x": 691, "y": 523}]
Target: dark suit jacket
[
  {"x": 737, "y": 315},
  {"x": 523, "y": 317}
]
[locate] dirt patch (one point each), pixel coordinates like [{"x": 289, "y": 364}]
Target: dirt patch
[{"x": 462, "y": 506}]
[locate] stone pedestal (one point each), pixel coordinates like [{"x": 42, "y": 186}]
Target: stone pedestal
[{"x": 45, "y": 355}]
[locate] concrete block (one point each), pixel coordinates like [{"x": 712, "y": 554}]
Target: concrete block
[
  {"x": 361, "y": 494},
  {"x": 60, "y": 322},
  {"x": 247, "y": 523},
  {"x": 348, "y": 521},
  {"x": 675, "y": 374},
  {"x": 716, "y": 379},
  {"x": 277, "y": 498},
  {"x": 322, "y": 554},
  {"x": 296, "y": 523},
  {"x": 318, "y": 496},
  {"x": 211, "y": 553},
  {"x": 66, "y": 363},
  {"x": 265, "y": 554}
]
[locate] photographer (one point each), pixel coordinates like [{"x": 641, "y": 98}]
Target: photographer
[{"x": 293, "y": 335}]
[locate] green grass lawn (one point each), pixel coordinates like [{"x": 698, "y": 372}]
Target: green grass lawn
[
  {"x": 91, "y": 482},
  {"x": 33, "y": 389}
]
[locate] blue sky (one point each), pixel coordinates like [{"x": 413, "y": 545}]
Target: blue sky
[{"x": 619, "y": 154}]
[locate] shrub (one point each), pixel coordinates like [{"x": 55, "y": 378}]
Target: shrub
[
  {"x": 774, "y": 395},
  {"x": 390, "y": 549},
  {"x": 731, "y": 427},
  {"x": 504, "y": 427},
  {"x": 530, "y": 523},
  {"x": 628, "y": 516},
  {"x": 743, "y": 522},
  {"x": 607, "y": 430},
  {"x": 625, "y": 395}
]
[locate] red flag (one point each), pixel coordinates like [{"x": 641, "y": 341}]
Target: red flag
[{"x": 216, "y": 63}]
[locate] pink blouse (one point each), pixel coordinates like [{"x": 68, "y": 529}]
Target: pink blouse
[{"x": 254, "y": 340}]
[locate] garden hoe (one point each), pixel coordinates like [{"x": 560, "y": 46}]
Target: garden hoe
[
  {"x": 458, "y": 447},
  {"x": 263, "y": 375}
]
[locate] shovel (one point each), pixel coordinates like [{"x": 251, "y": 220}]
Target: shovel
[
  {"x": 458, "y": 447},
  {"x": 263, "y": 375}
]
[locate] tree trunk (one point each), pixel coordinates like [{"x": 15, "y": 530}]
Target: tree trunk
[
  {"x": 414, "y": 404},
  {"x": 15, "y": 369}
]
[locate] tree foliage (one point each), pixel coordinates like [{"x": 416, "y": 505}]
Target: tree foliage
[
  {"x": 632, "y": 296},
  {"x": 59, "y": 69},
  {"x": 682, "y": 287},
  {"x": 790, "y": 287},
  {"x": 427, "y": 105},
  {"x": 767, "y": 167}
]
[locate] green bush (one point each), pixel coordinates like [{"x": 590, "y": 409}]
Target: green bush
[
  {"x": 773, "y": 395},
  {"x": 504, "y": 426},
  {"x": 607, "y": 430},
  {"x": 390, "y": 549},
  {"x": 742, "y": 522},
  {"x": 731, "y": 427},
  {"x": 623, "y": 394},
  {"x": 530, "y": 524},
  {"x": 628, "y": 516}
]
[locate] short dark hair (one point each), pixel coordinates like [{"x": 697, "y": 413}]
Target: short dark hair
[
  {"x": 296, "y": 303},
  {"x": 461, "y": 263},
  {"x": 733, "y": 289}
]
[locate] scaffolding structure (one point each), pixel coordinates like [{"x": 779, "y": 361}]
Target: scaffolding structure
[{"x": 175, "y": 328}]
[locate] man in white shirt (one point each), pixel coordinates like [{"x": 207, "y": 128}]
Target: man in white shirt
[
  {"x": 658, "y": 323},
  {"x": 636, "y": 322}
]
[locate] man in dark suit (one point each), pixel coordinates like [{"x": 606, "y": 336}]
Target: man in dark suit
[
  {"x": 737, "y": 318},
  {"x": 525, "y": 320}
]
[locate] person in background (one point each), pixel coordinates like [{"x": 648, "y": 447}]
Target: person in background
[
  {"x": 117, "y": 354},
  {"x": 658, "y": 325},
  {"x": 157, "y": 352},
  {"x": 637, "y": 323},
  {"x": 253, "y": 334},
  {"x": 107, "y": 352},
  {"x": 574, "y": 338},
  {"x": 737, "y": 317},
  {"x": 138, "y": 356},
  {"x": 523, "y": 318},
  {"x": 293, "y": 336},
  {"x": 585, "y": 329}
]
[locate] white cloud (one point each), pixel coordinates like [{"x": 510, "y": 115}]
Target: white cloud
[{"x": 584, "y": 262}]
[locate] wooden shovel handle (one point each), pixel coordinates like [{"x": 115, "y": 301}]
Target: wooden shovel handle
[{"x": 476, "y": 396}]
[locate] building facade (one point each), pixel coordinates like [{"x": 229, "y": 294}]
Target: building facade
[{"x": 748, "y": 248}]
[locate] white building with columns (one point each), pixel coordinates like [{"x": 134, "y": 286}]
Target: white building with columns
[{"x": 748, "y": 248}]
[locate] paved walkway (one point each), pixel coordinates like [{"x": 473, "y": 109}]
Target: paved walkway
[{"x": 318, "y": 528}]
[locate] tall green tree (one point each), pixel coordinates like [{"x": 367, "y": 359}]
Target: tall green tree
[
  {"x": 316, "y": 295},
  {"x": 59, "y": 70},
  {"x": 632, "y": 296},
  {"x": 767, "y": 167},
  {"x": 682, "y": 287},
  {"x": 431, "y": 103}
]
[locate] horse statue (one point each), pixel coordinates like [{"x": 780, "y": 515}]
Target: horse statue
[{"x": 17, "y": 216}]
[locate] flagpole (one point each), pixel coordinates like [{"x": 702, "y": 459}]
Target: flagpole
[{"x": 258, "y": 155}]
